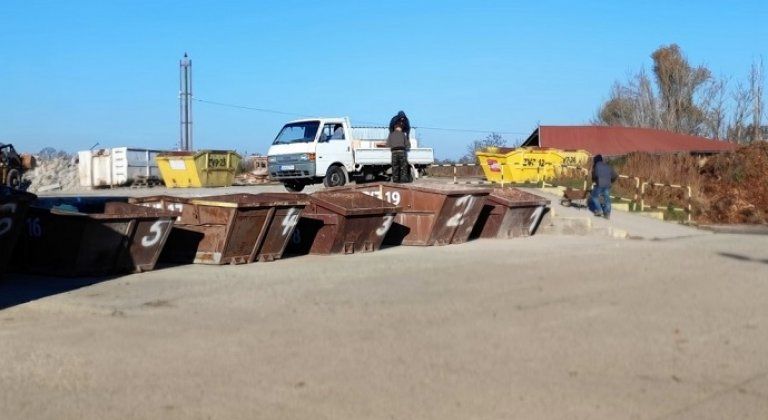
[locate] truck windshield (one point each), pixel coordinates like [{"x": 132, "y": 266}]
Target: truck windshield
[{"x": 301, "y": 132}]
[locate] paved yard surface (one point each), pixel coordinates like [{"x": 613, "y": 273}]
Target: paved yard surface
[{"x": 559, "y": 327}]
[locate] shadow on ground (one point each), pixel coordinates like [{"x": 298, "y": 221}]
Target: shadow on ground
[
  {"x": 16, "y": 289},
  {"x": 742, "y": 257}
]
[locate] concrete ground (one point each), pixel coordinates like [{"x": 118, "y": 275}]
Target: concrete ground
[
  {"x": 576, "y": 327},
  {"x": 621, "y": 224}
]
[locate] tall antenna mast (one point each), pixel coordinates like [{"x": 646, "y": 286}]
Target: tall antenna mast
[{"x": 185, "y": 103}]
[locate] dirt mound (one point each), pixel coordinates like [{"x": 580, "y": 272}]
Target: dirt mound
[
  {"x": 735, "y": 186},
  {"x": 726, "y": 188},
  {"x": 55, "y": 173}
]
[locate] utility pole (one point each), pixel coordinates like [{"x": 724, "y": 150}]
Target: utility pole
[
  {"x": 757, "y": 114},
  {"x": 185, "y": 103}
]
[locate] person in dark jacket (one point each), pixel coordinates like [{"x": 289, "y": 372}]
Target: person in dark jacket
[
  {"x": 399, "y": 143},
  {"x": 401, "y": 119},
  {"x": 603, "y": 176}
]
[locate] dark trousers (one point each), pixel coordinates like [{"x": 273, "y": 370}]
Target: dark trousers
[
  {"x": 603, "y": 207},
  {"x": 401, "y": 170}
]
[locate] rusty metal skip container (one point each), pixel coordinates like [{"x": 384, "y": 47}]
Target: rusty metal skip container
[
  {"x": 151, "y": 228},
  {"x": 340, "y": 222},
  {"x": 70, "y": 243},
  {"x": 431, "y": 215},
  {"x": 228, "y": 229},
  {"x": 287, "y": 209},
  {"x": 13, "y": 208},
  {"x": 509, "y": 212}
]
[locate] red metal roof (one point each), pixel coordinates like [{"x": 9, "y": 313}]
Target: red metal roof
[{"x": 614, "y": 141}]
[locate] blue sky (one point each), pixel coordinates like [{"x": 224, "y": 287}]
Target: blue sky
[{"x": 73, "y": 73}]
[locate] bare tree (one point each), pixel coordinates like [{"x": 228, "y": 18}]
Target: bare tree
[
  {"x": 618, "y": 110},
  {"x": 678, "y": 97},
  {"x": 631, "y": 105},
  {"x": 647, "y": 103},
  {"x": 742, "y": 111},
  {"x": 713, "y": 103},
  {"x": 687, "y": 99},
  {"x": 491, "y": 140}
]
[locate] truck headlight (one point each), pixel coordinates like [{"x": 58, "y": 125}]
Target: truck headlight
[
  {"x": 307, "y": 156},
  {"x": 272, "y": 159}
]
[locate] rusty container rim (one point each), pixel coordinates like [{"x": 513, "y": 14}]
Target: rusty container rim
[
  {"x": 94, "y": 216},
  {"x": 501, "y": 196},
  {"x": 184, "y": 153},
  {"x": 366, "y": 205},
  {"x": 444, "y": 189},
  {"x": 153, "y": 198},
  {"x": 136, "y": 211},
  {"x": 79, "y": 201},
  {"x": 244, "y": 200},
  {"x": 306, "y": 198}
]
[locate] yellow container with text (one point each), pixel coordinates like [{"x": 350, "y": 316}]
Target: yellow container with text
[
  {"x": 206, "y": 168},
  {"x": 527, "y": 164}
]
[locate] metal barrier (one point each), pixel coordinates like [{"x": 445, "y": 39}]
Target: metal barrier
[
  {"x": 455, "y": 173},
  {"x": 688, "y": 192},
  {"x": 636, "y": 196}
]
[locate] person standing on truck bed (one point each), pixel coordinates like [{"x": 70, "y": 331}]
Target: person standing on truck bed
[
  {"x": 405, "y": 124},
  {"x": 399, "y": 143},
  {"x": 401, "y": 119}
]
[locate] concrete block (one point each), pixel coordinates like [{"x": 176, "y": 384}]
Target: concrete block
[
  {"x": 617, "y": 233},
  {"x": 558, "y": 191},
  {"x": 652, "y": 214},
  {"x": 620, "y": 206},
  {"x": 568, "y": 226}
]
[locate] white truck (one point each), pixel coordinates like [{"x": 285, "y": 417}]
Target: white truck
[{"x": 331, "y": 150}]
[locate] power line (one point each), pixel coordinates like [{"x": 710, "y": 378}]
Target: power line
[
  {"x": 467, "y": 130},
  {"x": 250, "y": 108},
  {"x": 420, "y": 127}
]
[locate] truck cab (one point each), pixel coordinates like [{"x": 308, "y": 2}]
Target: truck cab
[{"x": 305, "y": 150}]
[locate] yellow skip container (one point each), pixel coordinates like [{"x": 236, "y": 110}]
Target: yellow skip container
[
  {"x": 527, "y": 164},
  {"x": 206, "y": 168}
]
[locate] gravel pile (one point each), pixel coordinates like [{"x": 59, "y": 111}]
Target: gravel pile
[{"x": 53, "y": 174}]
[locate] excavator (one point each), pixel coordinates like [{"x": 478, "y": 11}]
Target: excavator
[{"x": 11, "y": 166}]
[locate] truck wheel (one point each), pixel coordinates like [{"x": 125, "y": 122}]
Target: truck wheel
[
  {"x": 335, "y": 177},
  {"x": 295, "y": 186},
  {"x": 13, "y": 179}
]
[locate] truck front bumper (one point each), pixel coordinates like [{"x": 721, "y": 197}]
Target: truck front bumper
[{"x": 294, "y": 170}]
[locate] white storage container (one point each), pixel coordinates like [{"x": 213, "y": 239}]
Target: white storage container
[{"x": 117, "y": 166}]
